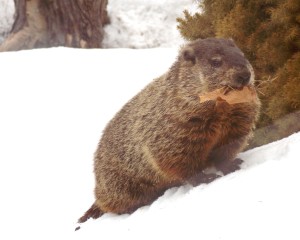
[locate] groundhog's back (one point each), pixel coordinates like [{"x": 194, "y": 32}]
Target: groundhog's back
[{"x": 125, "y": 164}]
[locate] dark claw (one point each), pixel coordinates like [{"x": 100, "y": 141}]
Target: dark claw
[{"x": 238, "y": 161}]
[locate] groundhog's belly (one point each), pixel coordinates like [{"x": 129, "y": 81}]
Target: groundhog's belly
[{"x": 184, "y": 150}]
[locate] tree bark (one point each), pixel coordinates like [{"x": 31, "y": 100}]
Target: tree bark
[{"x": 49, "y": 23}]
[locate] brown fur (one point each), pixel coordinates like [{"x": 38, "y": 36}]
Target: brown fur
[{"x": 165, "y": 137}]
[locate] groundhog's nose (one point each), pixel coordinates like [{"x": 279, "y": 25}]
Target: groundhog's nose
[{"x": 242, "y": 78}]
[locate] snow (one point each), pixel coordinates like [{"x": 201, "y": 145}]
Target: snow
[
  {"x": 7, "y": 9},
  {"x": 54, "y": 104},
  {"x": 144, "y": 23}
]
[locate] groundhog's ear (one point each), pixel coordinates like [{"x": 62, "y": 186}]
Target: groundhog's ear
[
  {"x": 231, "y": 42},
  {"x": 188, "y": 54}
]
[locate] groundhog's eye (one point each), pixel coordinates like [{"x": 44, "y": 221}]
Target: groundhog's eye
[{"x": 216, "y": 62}]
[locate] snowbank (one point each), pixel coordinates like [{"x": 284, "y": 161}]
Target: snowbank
[{"x": 54, "y": 104}]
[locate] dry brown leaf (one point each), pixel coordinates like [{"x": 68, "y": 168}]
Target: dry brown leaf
[{"x": 234, "y": 96}]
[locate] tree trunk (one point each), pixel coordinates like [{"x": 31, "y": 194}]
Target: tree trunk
[{"x": 49, "y": 23}]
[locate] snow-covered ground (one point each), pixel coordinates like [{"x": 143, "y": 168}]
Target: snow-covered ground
[{"x": 54, "y": 104}]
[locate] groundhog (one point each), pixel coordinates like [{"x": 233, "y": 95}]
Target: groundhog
[{"x": 165, "y": 137}]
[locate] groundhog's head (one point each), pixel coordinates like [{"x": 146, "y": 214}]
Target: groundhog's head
[{"x": 217, "y": 62}]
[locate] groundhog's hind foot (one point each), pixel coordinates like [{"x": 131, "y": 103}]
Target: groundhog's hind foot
[
  {"x": 94, "y": 212},
  {"x": 203, "y": 178},
  {"x": 229, "y": 166}
]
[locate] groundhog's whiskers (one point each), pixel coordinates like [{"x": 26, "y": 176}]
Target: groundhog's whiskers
[
  {"x": 228, "y": 89},
  {"x": 262, "y": 83}
]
